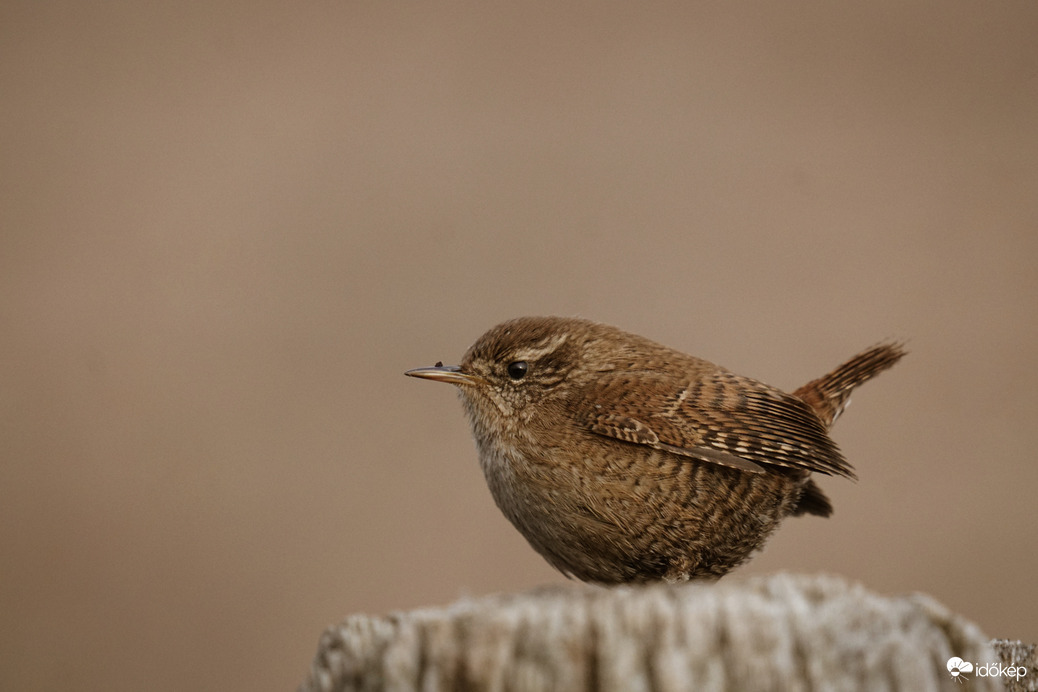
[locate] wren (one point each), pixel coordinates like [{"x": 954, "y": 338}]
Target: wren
[{"x": 622, "y": 460}]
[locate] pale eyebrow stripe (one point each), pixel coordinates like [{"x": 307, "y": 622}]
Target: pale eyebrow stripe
[{"x": 533, "y": 353}]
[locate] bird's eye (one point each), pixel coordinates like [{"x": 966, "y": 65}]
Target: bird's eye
[{"x": 517, "y": 370}]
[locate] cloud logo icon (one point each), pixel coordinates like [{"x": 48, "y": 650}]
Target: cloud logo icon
[{"x": 958, "y": 668}]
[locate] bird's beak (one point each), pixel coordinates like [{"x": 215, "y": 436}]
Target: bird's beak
[{"x": 444, "y": 373}]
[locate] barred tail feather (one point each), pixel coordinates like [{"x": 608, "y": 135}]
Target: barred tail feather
[{"x": 828, "y": 395}]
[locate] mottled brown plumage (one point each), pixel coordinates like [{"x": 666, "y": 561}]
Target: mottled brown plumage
[{"x": 622, "y": 460}]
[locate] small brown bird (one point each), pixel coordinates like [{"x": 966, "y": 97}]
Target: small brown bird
[{"x": 622, "y": 460}]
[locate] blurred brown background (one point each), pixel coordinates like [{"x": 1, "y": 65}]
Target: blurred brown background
[{"x": 227, "y": 229}]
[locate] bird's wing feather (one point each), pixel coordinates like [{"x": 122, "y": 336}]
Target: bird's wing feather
[{"x": 719, "y": 418}]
